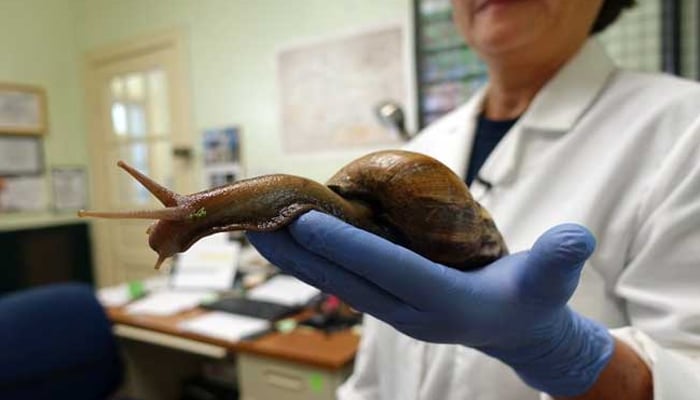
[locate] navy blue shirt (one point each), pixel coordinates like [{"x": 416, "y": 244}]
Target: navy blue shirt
[{"x": 488, "y": 133}]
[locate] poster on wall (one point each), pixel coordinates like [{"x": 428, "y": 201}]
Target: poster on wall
[
  {"x": 22, "y": 194},
  {"x": 329, "y": 90},
  {"x": 222, "y": 156}
]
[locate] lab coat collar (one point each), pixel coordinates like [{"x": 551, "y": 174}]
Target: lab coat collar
[
  {"x": 555, "y": 110},
  {"x": 565, "y": 98}
]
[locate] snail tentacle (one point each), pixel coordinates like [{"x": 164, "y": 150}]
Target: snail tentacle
[
  {"x": 167, "y": 213},
  {"x": 166, "y": 196}
]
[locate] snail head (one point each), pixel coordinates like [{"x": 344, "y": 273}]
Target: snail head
[{"x": 171, "y": 233}]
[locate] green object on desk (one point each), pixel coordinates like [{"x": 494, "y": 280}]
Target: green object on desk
[
  {"x": 316, "y": 382},
  {"x": 211, "y": 298},
  {"x": 286, "y": 325},
  {"x": 136, "y": 289}
]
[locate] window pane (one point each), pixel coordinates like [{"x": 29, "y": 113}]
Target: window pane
[
  {"x": 137, "y": 120},
  {"x": 129, "y": 190},
  {"x": 119, "y": 124}
]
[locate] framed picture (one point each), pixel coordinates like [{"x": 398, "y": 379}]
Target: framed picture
[
  {"x": 21, "y": 155},
  {"x": 22, "y": 109},
  {"x": 69, "y": 188},
  {"x": 22, "y": 194}
]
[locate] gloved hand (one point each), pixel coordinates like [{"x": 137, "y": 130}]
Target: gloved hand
[{"x": 513, "y": 309}]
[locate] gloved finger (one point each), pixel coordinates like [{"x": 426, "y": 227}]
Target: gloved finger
[
  {"x": 280, "y": 249},
  {"x": 554, "y": 263},
  {"x": 408, "y": 276}
]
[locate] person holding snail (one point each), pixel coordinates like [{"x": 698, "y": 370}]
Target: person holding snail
[{"x": 591, "y": 174}]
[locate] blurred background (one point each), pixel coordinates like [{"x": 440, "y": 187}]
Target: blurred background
[{"x": 198, "y": 94}]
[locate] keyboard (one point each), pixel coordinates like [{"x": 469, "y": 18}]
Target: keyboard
[{"x": 252, "y": 308}]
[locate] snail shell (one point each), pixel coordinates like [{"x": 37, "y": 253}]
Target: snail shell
[{"x": 408, "y": 198}]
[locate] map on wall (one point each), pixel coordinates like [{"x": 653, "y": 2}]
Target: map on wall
[{"x": 329, "y": 91}]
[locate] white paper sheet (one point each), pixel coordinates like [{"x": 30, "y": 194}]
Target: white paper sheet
[
  {"x": 210, "y": 263},
  {"x": 114, "y": 296},
  {"x": 169, "y": 302},
  {"x": 221, "y": 325},
  {"x": 119, "y": 295},
  {"x": 283, "y": 289}
]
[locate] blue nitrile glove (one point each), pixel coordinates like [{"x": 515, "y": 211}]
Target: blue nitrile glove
[{"x": 513, "y": 309}]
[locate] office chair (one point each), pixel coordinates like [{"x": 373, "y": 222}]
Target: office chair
[{"x": 56, "y": 343}]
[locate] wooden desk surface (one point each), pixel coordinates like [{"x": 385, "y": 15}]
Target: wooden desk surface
[{"x": 306, "y": 346}]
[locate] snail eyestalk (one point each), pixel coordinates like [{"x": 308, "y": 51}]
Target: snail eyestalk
[
  {"x": 170, "y": 199},
  {"x": 159, "y": 262},
  {"x": 167, "y": 213},
  {"x": 165, "y": 195}
]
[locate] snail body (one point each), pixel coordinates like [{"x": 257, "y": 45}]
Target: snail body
[{"x": 408, "y": 198}]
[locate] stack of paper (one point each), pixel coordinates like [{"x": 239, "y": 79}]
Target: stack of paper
[
  {"x": 169, "y": 302},
  {"x": 283, "y": 289},
  {"x": 225, "y": 326},
  {"x": 119, "y": 295},
  {"x": 210, "y": 263}
]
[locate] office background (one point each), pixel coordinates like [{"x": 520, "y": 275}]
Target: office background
[{"x": 231, "y": 49}]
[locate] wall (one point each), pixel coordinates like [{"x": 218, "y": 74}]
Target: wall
[
  {"x": 233, "y": 44},
  {"x": 38, "y": 46},
  {"x": 232, "y": 47}
]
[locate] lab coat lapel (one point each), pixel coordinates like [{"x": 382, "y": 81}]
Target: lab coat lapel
[{"x": 554, "y": 111}]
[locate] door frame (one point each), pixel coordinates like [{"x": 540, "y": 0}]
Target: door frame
[{"x": 182, "y": 134}]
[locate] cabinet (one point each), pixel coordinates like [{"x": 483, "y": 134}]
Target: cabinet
[
  {"x": 263, "y": 378},
  {"x": 447, "y": 71}
]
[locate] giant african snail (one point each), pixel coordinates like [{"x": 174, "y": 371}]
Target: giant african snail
[{"x": 408, "y": 198}]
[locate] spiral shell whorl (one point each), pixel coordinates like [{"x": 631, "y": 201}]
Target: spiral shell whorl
[{"x": 427, "y": 203}]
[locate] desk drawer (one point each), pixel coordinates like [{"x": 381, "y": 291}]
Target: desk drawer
[{"x": 263, "y": 378}]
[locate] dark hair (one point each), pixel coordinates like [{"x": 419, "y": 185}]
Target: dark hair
[{"x": 609, "y": 12}]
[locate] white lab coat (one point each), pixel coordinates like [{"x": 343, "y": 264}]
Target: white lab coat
[{"x": 616, "y": 151}]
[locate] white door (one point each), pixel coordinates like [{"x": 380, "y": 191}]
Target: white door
[{"x": 139, "y": 114}]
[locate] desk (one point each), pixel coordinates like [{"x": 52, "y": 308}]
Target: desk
[{"x": 302, "y": 364}]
